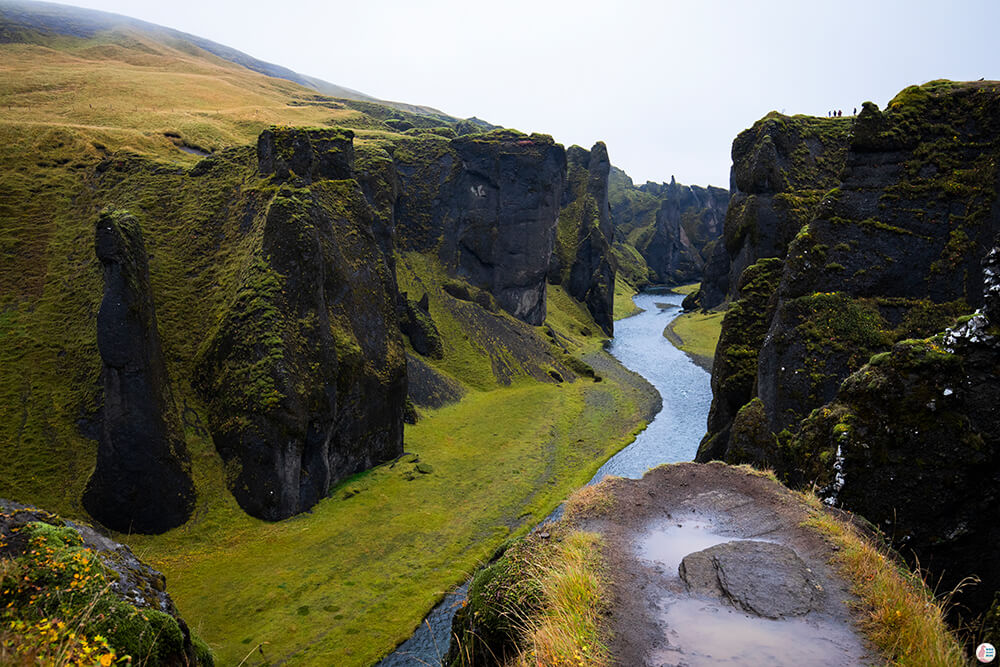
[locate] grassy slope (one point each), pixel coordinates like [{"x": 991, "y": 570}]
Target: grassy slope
[
  {"x": 696, "y": 333},
  {"x": 344, "y": 583}
]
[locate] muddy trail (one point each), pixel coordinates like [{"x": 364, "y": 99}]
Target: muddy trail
[{"x": 711, "y": 565}]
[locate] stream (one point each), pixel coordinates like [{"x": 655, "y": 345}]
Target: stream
[{"x": 672, "y": 436}]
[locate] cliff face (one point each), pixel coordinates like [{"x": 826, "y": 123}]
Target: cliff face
[
  {"x": 671, "y": 226},
  {"x": 488, "y": 204},
  {"x": 304, "y": 375},
  {"x": 141, "y": 482},
  {"x": 782, "y": 166},
  {"x": 582, "y": 260},
  {"x": 893, "y": 253}
]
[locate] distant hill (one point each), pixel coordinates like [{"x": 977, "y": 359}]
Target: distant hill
[{"x": 48, "y": 18}]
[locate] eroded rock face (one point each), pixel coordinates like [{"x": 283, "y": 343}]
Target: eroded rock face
[
  {"x": 915, "y": 440},
  {"x": 857, "y": 390},
  {"x": 305, "y": 375},
  {"x": 141, "y": 482},
  {"x": 582, "y": 260},
  {"x": 488, "y": 204},
  {"x": 782, "y": 166},
  {"x": 761, "y": 578},
  {"x": 670, "y": 225}
]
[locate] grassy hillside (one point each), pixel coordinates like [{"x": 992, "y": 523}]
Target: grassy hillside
[{"x": 126, "y": 120}]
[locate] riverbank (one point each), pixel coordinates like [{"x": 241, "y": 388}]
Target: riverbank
[
  {"x": 697, "y": 334},
  {"x": 346, "y": 582}
]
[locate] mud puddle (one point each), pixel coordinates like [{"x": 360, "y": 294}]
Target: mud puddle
[
  {"x": 700, "y": 631},
  {"x": 704, "y": 632},
  {"x": 666, "y": 544}
]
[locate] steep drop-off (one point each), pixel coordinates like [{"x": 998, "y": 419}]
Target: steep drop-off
[
  {"x": 304, "y": 375},
  {"x": 582, "y": 261},
  {"x": 893, "y": 252},
  {"x": 782, "y": 167},
  {"x": 487, "y": 204}
]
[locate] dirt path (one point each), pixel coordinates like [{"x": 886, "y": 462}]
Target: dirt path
[{"x": 719, "y": 614}]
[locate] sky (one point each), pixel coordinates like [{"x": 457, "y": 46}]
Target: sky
[{"x": 666, "y": 85}]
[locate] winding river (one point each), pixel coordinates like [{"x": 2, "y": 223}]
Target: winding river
[{"x": 672, "y": 436}]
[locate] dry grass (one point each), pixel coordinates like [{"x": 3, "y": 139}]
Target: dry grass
[
  {"x": 568, "y": 631},
  {"x": 593, "y": 499},
  {"x": 899, "y": 614}
]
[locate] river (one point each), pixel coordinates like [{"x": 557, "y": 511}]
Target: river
[{"x": 672, "y": 436}]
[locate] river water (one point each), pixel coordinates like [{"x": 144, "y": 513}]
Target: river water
[{"x": 672, "y": 436}]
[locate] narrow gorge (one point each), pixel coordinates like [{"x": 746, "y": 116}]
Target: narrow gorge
[{"x": 285, "y": 367}]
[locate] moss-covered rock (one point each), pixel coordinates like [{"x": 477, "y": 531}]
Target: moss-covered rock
[
  {"x": 582, "y": 260},
  {"x": 68, "y": 593},
  {"x": 734, "y": 373},
  {"x": 782, "y": 166},
  {"x": 304, "y": 374},
  {"x": 487, "y": 204}
]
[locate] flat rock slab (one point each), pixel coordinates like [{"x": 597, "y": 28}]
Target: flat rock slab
[{"x": 762, "y": 578}]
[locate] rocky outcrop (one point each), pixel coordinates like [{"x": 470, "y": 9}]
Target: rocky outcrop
[
  {"x": 849, "y": 392},
  {"x": 416, "y": 323},
  {"x": 582, "y": 260},
  {"x": 61, "y": 569},
  {"x": 305, "y": 373},
  {"x": 912, "y": 442},
  {"x": 734, "y": 370},
  {"x": 669, "y": 225},
  {"x": 141, "y": 482},
  {"x": 487, "y": 204},
  {"x": 782, "y": 166}
]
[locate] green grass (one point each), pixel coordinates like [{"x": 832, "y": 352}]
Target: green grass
[
  {"x": 696, "y": 333},
  {"x": 366, "y": 568},
  {"x": 624, "y": 306},
  {"x": 687, "y": 289},
  {"x": 574, "y": 591}
]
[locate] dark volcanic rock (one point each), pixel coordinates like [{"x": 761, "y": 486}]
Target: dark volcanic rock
[
  {"x": 488, "y": 204},
  {"x": 782, "y": 166},
  {"x": 418, "y": 325},
  {"x": 582, "y": 259},
  {"x": 762, "y": 578},
  {"x": 670, "y": 225},
  {"x": 914, "y": 441},
  {"x": 305, "y": 374},
  {"x": 734, "y": 371},
  {"x": 313, "y": 155},
  {"x": 850, "y": 394},
  {"x": 141, "y": 482},
  {"x": 893, "y": 253}
]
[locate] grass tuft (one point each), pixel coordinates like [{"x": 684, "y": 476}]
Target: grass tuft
[
  {"x": 900, "y": 615},
  {"x": 567, "y": 631}
]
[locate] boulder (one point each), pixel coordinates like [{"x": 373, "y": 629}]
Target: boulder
[{"x": 761, "y": 578}]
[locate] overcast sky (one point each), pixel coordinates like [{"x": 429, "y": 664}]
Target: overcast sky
[{"x": 667, "y": 85}]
